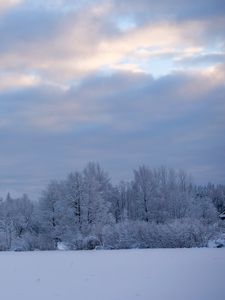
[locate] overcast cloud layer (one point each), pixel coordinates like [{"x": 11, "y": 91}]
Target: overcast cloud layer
[{"x": 117, "y": 82}]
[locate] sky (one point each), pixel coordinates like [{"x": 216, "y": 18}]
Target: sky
[{"x": 117, "y": 82}]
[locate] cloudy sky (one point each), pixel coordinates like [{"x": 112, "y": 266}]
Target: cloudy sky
[{"x": 116, "y": 82}]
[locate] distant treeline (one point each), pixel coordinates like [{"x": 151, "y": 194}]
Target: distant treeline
[{"x": 157, "y": 208}]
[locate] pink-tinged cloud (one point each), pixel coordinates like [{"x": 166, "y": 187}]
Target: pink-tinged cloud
[
  {"x": 82, "y": 42},
  {"x": 8, "y": 4}
]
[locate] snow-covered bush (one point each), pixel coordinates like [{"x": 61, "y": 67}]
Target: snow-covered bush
[
  {"x": 91, "y": 242},
  {"x": 184, "y": 233}
]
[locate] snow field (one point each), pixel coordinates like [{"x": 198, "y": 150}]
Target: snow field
[{"x": 157, "y": 274}]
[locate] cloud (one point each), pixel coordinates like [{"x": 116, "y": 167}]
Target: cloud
[
  {"x": 7, "y": 4},
  {"x": 111, "y": 82},
  {"x": 201, "y": 59},
  {"x": 10, "y": 81},
  {"x": 70, "y": 45},
  {"x": 120, "y": 120},
  {"x": 100, "y": 99},
  {"x": 146, "y": 10}
]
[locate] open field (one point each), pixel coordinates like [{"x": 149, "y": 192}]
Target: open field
[{"x": 157, "y": 274}]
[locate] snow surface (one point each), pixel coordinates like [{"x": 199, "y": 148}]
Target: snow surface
[{"x": 157, "y": 274}]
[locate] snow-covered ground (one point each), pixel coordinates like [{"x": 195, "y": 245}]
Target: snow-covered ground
[{"x": 159, "y": 274}]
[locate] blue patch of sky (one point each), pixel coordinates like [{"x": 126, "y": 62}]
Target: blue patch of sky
[
  {"x": 158, "y": 66},
  {"x": 125, "y": 23}
]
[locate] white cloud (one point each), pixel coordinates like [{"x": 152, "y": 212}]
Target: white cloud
[{"x": 10, "y": 81}]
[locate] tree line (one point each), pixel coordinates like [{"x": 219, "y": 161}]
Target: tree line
[{"x": 159, "y": 207}]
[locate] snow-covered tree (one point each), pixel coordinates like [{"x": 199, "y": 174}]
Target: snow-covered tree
[{"x": 159, "y": 207}]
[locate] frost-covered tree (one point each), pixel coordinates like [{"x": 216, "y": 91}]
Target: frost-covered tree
[
  {"x": 51, "y": 213},
  {"x": 161, "y": 194},
  {"x": 15, "y": 221},
  {"x": 96, "y": 196},
  {"x": 74, "y": 196},
  {"x": 159, "y": 207}
]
